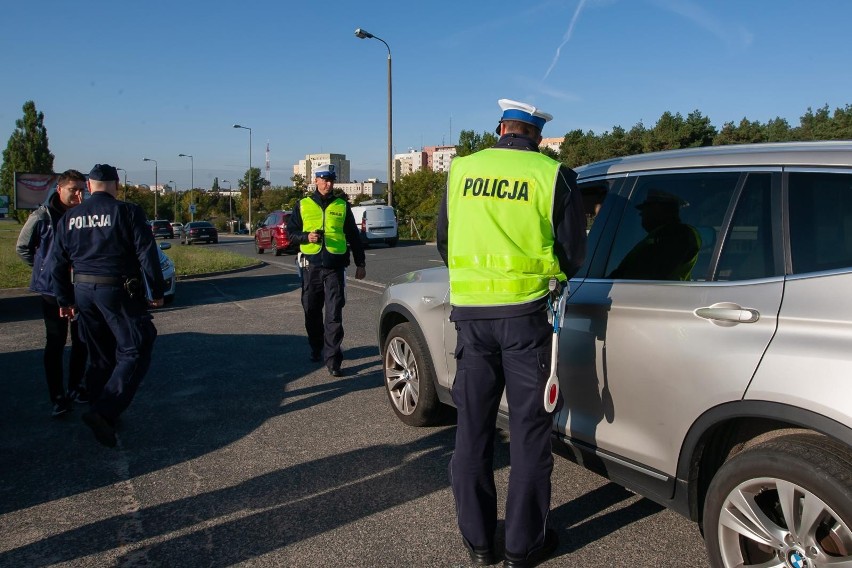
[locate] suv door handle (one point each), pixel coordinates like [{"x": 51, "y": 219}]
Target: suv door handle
[{"x": 728, "y": 312}]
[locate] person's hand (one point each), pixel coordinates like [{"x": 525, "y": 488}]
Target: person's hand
[
  {"x": 313, "y": 237},
  {"x": 69, "y": 312},
  {"x": 360, "y": 273},
  {"x": 158, "y": 303}
]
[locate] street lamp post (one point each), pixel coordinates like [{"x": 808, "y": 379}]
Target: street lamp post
[
  {"x": 125, "y": 182},
  {"x": 249, "y": 174},
  {"x": 230, "y": 206},
  {"x": 174, "y": 190},
  {"x": 364, "y": 34},
  {"x": 156, "y": 185},
  {"x": 192, "y": 185}
]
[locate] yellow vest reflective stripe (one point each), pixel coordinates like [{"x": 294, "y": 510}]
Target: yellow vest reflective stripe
[
  {"x": 331, "y": 221},
  {"x": 500, "y": 242}
]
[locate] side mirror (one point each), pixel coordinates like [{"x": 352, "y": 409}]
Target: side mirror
[{"x": 165, "y": 246}]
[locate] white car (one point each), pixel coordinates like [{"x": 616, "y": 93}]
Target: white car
[
  {"x": 169, "y": 275},
  {"x": 178, "y": 229}
]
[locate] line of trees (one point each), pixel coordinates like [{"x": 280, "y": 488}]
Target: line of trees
[{"x": 417, "y": 196}]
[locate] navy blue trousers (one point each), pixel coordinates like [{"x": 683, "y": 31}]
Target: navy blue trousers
[
  {"x": 56, "y": 334},
  {"x": 120, "y": 334},
  {"x": 323, "y": 290},
  {"x": 491, "y": 354}
]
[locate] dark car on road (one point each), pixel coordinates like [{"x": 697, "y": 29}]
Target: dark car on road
[
  {"x": 163, "y": 229},
  {"x": 272, "y": 234},
  {"x": 200, "y": 231}
]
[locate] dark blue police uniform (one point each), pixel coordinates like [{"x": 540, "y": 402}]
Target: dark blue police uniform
[
  {"x": 509, "y": 346},
  {"x": 323, "y": 286},
  {"x": 115, "y": 263}
]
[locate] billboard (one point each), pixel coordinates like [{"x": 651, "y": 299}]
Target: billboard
[{"x": 31, "y": 190}]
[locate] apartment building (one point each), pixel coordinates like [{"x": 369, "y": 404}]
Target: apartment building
[{"x": 306, "y": 167}]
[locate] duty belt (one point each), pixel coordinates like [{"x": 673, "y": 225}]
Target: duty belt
[{"x": 95, "y": 279}]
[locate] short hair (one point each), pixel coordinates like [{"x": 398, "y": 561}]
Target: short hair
[
  {"x": 70, "y": 175},
  {"x": 522, "y": 128}
]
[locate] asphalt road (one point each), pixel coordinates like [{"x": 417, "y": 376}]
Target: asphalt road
[{"x": 239, "y": 451}]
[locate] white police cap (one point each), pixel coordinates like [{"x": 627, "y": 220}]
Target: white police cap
[
  {"x": 325, "y": 171},
  {"x": 523, "y": 112}
]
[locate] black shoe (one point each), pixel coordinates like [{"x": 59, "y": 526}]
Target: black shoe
[
  {"x": 480, "y": 556},
  {"x": 102, "y": 429},
  {"x": 335, "y": 372},
  {"x": 79, "y": 395},
  {"x": 537, "y": 556},
  {"x": 316, "y": 357},
  {"x": 61, "y": 405}
]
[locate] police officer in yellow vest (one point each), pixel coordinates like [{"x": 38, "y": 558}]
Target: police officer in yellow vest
[
  {"x": 323, "y": 225},
  {"x": 511, "y": 220}
]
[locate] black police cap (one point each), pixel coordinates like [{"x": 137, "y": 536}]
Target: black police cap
[{"x": 103, "y": 172}]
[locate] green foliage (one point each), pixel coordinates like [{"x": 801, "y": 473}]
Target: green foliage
[
  {"x": 417, "y": 197},
  {"x": 215, "y": 186},
  {"x": 470, "y": 142},
  {"x": 26, "y": 151},
  {"x": 299, "y": 182},
  {"x": 284, "y": 198}
]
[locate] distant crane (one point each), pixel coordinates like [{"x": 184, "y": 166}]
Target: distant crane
[{"x": 268, "y": 174}]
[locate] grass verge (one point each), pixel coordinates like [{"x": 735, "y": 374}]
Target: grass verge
[{"x": 189, "y": 260}]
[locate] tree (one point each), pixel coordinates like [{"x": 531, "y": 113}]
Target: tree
[
  {"x": 215, "y": 187},
  {"x": 417, "y": 196},
  {"x": 470, "y": 142},
  {"x": 26, "y": 151},
  {"x": 299, "y": 182}
]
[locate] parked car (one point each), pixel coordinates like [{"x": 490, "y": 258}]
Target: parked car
[
  {"x": 177, "y": 228},
  {"x": 195, "y": 231},
  {"x": 717, "y": 383},
  {"x": 376, "y": 222},
  {"x": 271, "y": 233},
  {"x": 169, "y": 275},
  {"x": 162, "y": 228}
]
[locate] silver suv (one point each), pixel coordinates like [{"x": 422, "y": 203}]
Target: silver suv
[{"x": 706, "y": 356}]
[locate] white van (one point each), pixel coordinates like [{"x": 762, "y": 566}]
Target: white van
[{"x": 376, "y": 221}]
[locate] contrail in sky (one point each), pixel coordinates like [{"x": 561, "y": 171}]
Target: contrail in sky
[{"x": 567, "y": 36}]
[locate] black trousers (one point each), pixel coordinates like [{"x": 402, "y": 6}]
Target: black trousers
[
  {"x": 323, "y": 290},
  {"x": 491, "y": 354},
  {"x": 56, "y": 334},
  {"x": 120, "y": 335}
]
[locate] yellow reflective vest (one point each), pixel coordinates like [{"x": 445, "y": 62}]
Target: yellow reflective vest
[
  {"x": 331, "y": 221},
  {"x": 500, "y": 241}
]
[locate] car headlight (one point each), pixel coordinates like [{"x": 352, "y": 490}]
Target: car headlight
[{"x": 165, "y": 263}]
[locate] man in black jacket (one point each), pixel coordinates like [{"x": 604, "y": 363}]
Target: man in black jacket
[
  {"x": 33, "y": 247},
  {"x": 325, "y": 229},
  {"x": 117, "y": 276}
]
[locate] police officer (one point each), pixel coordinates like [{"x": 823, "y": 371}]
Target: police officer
[
  {"x": 512, "y": 219},
  {"x": 33, "y": 247},
  {"x": 323, "y": 225},
  {"x": 116, "y": 265}
]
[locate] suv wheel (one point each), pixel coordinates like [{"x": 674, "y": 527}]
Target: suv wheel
[
  {"x": 410, "y": 377},
  {"x": 784, "y": 502},
  {"x": 257, "y": 248},
  {"x": 275, "y": 250}
]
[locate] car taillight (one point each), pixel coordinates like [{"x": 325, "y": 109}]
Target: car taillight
[{"x": 363, "y": 225}]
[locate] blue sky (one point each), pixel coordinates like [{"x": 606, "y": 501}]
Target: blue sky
[{"x": 121, "y": 81}]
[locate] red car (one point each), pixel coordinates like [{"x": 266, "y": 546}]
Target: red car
[{"x": 272, "y": 234}]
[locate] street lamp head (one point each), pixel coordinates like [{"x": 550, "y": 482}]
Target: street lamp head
[
  {"x": 184, "y": 156},
  {"x": 363, "y": 34},
  {"x": 148, "y": 160}
]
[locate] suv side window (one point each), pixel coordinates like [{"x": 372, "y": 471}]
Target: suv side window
[
  {"x": 670, "y": 226},
  {"x": 820, "y": 221},
  {"x": 747, "y": 251}
]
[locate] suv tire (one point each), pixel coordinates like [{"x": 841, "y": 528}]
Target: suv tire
[
  {"x": 257, "y": 248},
  {"x": 275, "y": 250},
  {"x": 410, "y": 377},
  {"x": 760, "y": 492}
]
